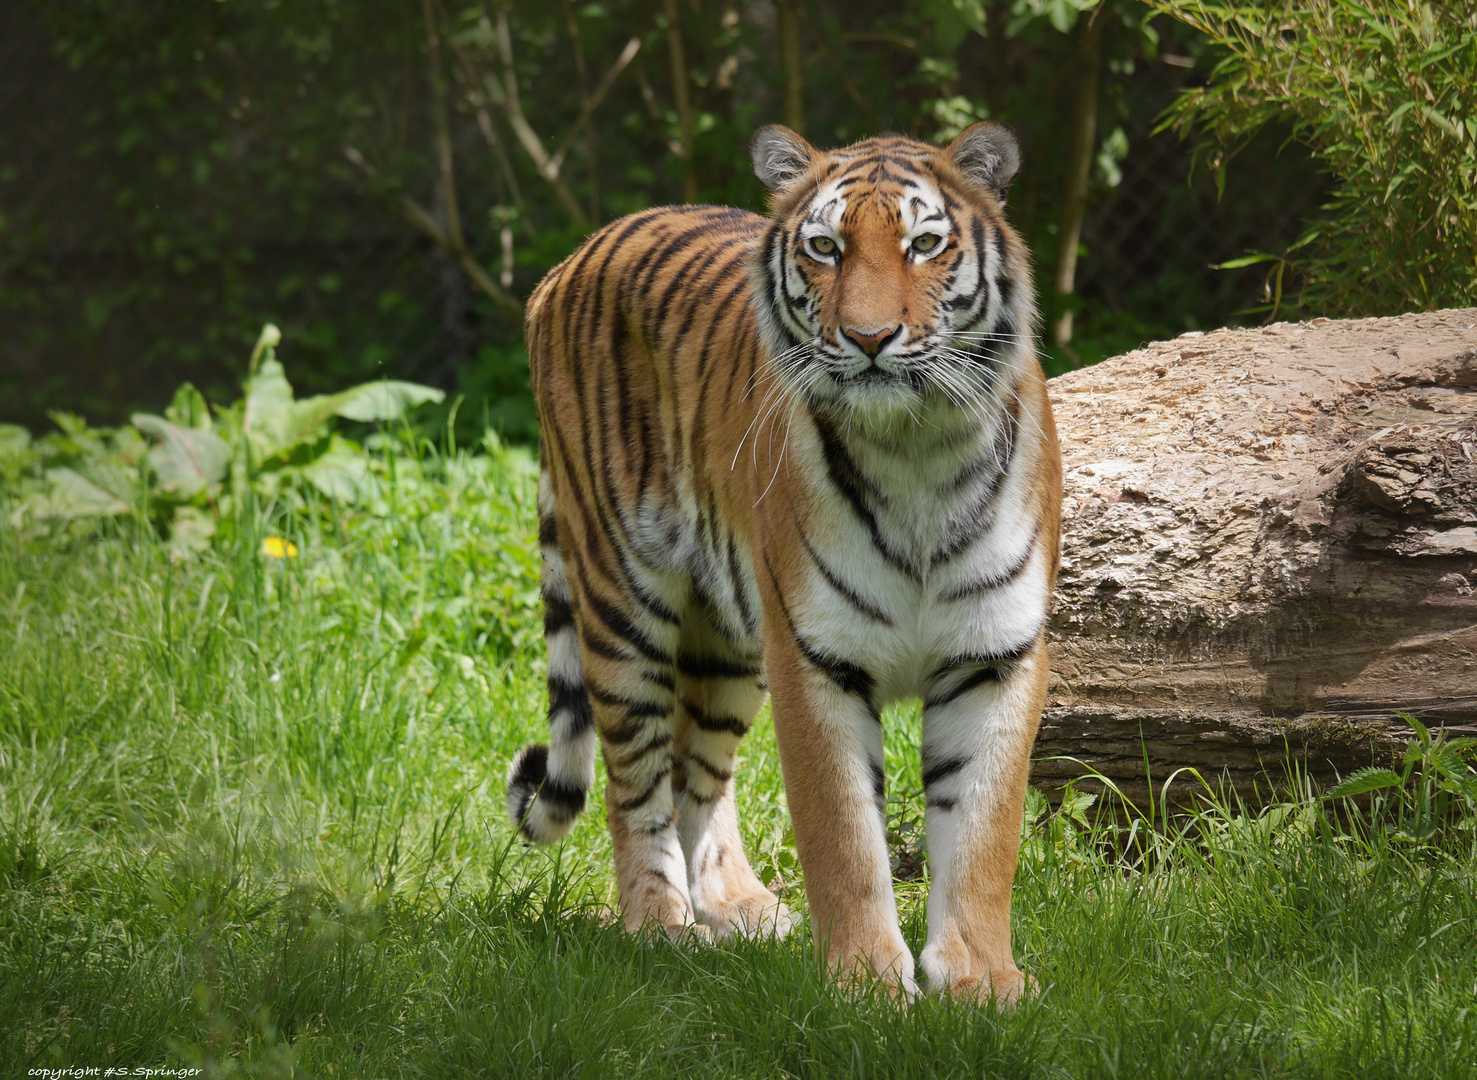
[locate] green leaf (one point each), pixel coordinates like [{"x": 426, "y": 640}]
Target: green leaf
[
  {"x": 188, "y": 409},
  {"x": 1036, "y": 807},
  {"x": 1365, "y": 780},
  {"x": 191, "y": 531},
  {"x": 73, "y": 495},
  {"x": 388, "y": 399},
  {"x": 13, "y": 440},
  {"x": 186, "y": 460},
  {"x": 276, "y": 423},
  {"x": 1441, "y": 121},
  {"x": 1075, "y": 805},
  {"x": 341, "y": 473},
  {"x": 1244, "y": 260},
  {"x": 268, "y": 408}
]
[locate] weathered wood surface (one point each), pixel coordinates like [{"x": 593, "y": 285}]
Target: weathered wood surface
[{"x": 1269, "y": 545}]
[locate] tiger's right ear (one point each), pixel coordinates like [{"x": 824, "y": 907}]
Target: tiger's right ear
[{"x": 780, "y": 156}]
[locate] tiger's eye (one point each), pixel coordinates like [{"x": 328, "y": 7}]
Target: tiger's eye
[
  {"x": 926, "y": 242},
  {"x": 823, "y": 245}
]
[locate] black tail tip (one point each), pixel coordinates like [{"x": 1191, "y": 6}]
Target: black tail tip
[{"x": 530, "y": 768}]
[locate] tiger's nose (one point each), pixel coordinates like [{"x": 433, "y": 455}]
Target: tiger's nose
[{"x": 871, "y": 341}]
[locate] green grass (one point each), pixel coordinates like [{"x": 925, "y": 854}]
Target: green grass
[{"x": 251, "y": 821}]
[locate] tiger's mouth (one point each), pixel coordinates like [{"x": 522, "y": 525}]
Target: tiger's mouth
[{"x": 885, "y": 374}]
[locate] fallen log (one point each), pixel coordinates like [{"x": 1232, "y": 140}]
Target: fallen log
[{"x": 1269, "y": 549}]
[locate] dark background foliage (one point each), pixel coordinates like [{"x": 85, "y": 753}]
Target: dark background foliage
[{"x": 175, "y": 173}]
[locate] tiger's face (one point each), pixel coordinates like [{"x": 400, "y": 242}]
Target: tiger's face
[{"x": 889, "y": 278}]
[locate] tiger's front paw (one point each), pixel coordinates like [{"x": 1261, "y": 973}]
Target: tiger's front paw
[
  {"x": 951, "y": 970},
  {"x": 1006, "y": 986},
  {"x": 885, "y": 960}
]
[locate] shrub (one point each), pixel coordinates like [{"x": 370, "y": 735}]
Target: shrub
[
  {"x": 191, "y": 472},
  {"x": 1384, "y": 92}
]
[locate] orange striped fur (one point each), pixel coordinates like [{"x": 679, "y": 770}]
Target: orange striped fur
[{"x": 810, "y": 454}]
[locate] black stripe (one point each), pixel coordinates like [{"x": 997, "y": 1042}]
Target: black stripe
[
  {"x": 715, "y": 724},
  {"x": 850, "y": 677},
  {"x": 691, "y": 283},
  {"x": 991, "y": 668},
  {"x": 973, "y": 471},
  {"x": 645, "y": 796},
  {"x": 692, "y": 274},
  {"x": 620, "y": 624},
  {"x": 579, "y": 303},
  {"x": 959, "y": 660},
  {"x": 630, "y": 757},
  {"x": 635, "y": 712},
  {"x": 1005, "y": 577},
  {"x": 563, "y": 801},
  {"x": 746, "y": 616},
  {"x": 975, "y": 525},
  {"x": 715, "y": 318},
  {"x": 664, "y": 679},
  {"x": 548, "y": 532},
  {"x": 656, "y": 259},
  {"x": 932, "y": 774},
  {"x": 650, "y": 603},
  {"x": 941, "y": 804},
  {"x": 600, "y": 646},
  {"x": 708, "y": 767},
  {"x": 714, "y": 667},
  {"x": 656, "y": 828},
  {"x": 558, "y": 614},
  {"x": 570, "y": 699},
  {"x": 1002, "y": 268},
  {"x": 846, "y": 592},
  {"x": 879, "y": 787},
  {"x": 847, "y": 478}
]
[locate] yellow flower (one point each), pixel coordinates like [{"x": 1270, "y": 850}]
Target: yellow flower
[{"x": 277, "y": 548}]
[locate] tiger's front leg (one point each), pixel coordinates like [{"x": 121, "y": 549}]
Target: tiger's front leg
[
  {"x": 979, "y": 722},
  {"x": 830, "y": 742}
]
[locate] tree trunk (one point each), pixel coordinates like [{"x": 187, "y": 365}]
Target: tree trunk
[
  {"x": 787, "y": 33},
  {"x": 1269, "y": 547},
  {"x": 682, "y": 96},
  {"x": 1087, "y": 57}
]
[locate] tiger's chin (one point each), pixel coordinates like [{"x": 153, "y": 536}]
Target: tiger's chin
[{"x": 891, "y": 403}]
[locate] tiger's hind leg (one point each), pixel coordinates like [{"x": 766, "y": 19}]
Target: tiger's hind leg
[
  {"x": 628, "y": 651},
  {"x": 719, "y": 689}
]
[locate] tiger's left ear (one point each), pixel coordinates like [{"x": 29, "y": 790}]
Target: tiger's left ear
[{"x": 988, "y": 154}]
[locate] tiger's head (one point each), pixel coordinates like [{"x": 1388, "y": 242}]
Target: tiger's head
[{"x": 888, "y": 277}]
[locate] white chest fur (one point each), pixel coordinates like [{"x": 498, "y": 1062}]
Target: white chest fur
[{"x": 921, "y": 552}]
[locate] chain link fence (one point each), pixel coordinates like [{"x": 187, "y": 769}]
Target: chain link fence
[{"x": 91, "y": 324}]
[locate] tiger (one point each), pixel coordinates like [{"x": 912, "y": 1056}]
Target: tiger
[{"x": 809, "y": 455}]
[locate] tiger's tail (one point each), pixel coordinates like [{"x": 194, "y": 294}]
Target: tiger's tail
[{"x": 547, "y": 785}]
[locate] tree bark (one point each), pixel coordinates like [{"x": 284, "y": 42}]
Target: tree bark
[
  {"x": 1087, "y": 57},
  {"x": 1269, "y": 547},
  {"x": 787, "y": 33},
  {"x": 682, "y": 96}
]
